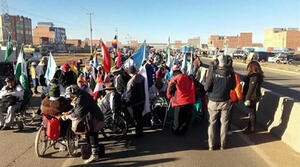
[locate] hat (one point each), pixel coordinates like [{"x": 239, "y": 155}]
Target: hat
[
  {"x": 33, "y": 63},
  {"x": 66, "y": 67},
  {"x": 9, "y": 78},
  {"x": 72, "y": 90},
  {"x": 115, "y": 69},
  {"x": 54, "y": 90}
]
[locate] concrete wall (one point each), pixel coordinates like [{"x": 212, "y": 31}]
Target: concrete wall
[{"x": 279, "y": 115}]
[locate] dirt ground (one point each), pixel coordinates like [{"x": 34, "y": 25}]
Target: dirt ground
[{"x": 61, "y": 58}]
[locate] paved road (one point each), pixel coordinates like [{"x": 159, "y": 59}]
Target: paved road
[
  {"x": 279, "y": 81},
  {"x": 160, "y": 148}
]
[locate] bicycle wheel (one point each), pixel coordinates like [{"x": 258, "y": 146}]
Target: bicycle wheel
[
  {"x": 72, "y": 143},
  {"x": 41, "y": 142},
  {"x": 114, "y": 128}
]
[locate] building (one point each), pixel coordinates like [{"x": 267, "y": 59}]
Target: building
[
  {"x": 86, "y": 43},
  {"x": 194, "y": 42},
  {"x": 282, "y": 38},
  {"x": 216, "y": 42},
  {"x": 46, "y": 33},
  {"x": 19, "y": 27}
]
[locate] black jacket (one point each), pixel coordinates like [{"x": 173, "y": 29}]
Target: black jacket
[
  {"x": 85, "y": 105},
  {"x": 252, "y": 87},
  {"x": 66, "y": 78},
  {"x": 135, "y": 90},
  {"x": 219, "y": 82}
]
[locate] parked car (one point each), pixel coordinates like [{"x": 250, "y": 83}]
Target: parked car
[
  {"x": 294, "y": 61},
  {"x": 281, "y": 58},
  {"x": 239, "y": 54},
  {"x": 262, "y": 56}
]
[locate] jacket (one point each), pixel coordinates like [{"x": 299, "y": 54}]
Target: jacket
[
  {"x": 55, "y": 107},
  {"x": 236, "y": 94},
  {"x": 181, "y": 90},
  {"x": 67, "y": 78},
  {"x": 111, "y": 102},
  {"x": 252, "y": 87},
  {"x": 16, "y": 91},
  {"x": 121, "y": 82},
  {"x": 135, "y": 92},
  {"x": 84, "y": 105},
  {"x": 219, "y": 82},
  {"x": 40, "y": 72}
]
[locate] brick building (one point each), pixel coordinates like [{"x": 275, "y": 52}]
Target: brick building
[
  {"x": 19, "y": 27},
  {"x": 219, "y": 42},
  {"x": 46, "y": 33},
  {"x": 194, "y": 42},
  {"x": 282, "y": 38}
]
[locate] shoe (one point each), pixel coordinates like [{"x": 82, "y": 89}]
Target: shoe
[
  {"x": 1, "y": 127},
  {"x": 211, "y": 148},
  {"x": 5, "y": 128},
  {"x": 222, "y": 148},
  {"x": 93, "y": 158}
]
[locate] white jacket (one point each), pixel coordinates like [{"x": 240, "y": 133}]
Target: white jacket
[{"x": 18, "y": 91}]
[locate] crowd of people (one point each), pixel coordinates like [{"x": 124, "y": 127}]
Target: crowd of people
[{"x": 83, "y": 92}]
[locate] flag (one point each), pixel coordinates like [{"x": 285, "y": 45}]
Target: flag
[
  {"x": 141, "y": 55},
  {"x": 168, "y": 54},
  {"x": 9, "y": 48},
  {"x": 51, "y": 69},
  {"x": 191, "y": 66},
  {"x": 106, "y": 58},
  {"x": 184, "y": 63},
  {"x": 143, "y": 72},
  {"x": 74, "y": 67},
  {"x": 95, "y": 59},
  {"x": 115, "y": 42},
  {"x": 21, "y": 73},
  {"x": 99, "y": 84},
  {"x": 175, "y": 61},
  {"x": 119, "y": 59}
]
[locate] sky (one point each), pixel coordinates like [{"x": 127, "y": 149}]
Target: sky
[{"x": 156, "y": 20}]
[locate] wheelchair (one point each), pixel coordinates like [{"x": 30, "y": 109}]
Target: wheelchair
[{"x": 43, "y": 142}]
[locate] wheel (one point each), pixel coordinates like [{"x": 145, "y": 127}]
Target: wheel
[
  {"x": 41, "y": 142},
  {"x": 72, "y": 143},
  {"x": 277, "y": 62},
  {"x": 20, "y": 125},
  {"x": 114, "y": 128}
]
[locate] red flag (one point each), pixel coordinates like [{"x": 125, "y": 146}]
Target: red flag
[
  {"x": 106, "y": 58},
  {"x": 119, "y": 59}
]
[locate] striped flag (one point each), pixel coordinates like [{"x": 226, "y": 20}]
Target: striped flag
[
  {"x": 106, "y": 58},
  {"x": 9, "y": 48},
  {"x": 21, "y": 73}
]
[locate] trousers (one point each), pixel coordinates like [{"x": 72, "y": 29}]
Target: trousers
[
  {"x": 216, "y": 111},
  {"x": 11, "y": 111}
]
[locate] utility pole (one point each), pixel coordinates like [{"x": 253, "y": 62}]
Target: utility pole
[{"x": 91, "y": 31}]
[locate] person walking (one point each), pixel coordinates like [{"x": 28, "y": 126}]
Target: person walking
[
  {"x": 252, "y": 92},
  {"x": 220, "y": 80},
  {"x": 181, "y": 91},
  {"x": 34, "y": 77}
]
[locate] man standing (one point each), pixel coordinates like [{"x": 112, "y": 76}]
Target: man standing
[
  {"x": 220, "y": 80},
  {"x": 34, "y": 76},
  {"x": 135, "y": 98},
  {"x": 181, "y": 91}
]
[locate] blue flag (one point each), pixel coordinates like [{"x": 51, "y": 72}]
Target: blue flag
[
  {"x": 51, "y": 69},
  {"x": 184, "y": 63},
  {"x": 141, "y": 55}
]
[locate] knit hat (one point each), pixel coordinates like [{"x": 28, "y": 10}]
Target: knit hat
[{"x": 54, "y": 90}]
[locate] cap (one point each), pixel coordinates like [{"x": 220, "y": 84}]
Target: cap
[{"x": 9, "y": 78}]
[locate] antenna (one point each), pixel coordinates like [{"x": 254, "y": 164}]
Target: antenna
[{"x": 4, "y": 6}]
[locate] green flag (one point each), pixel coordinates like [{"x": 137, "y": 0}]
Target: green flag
[
  {"x": 9, "y": 48},
  {"x": 21, "y": 73}
]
